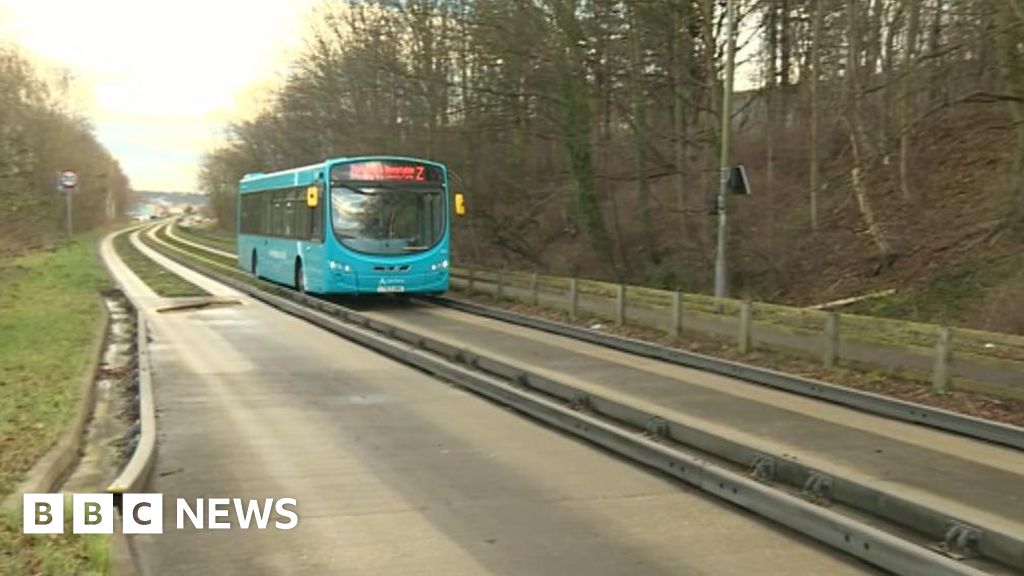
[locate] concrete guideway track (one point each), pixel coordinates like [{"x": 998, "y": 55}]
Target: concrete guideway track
[
  {"x": 976, "y": 481},
  {"x": 972, "y": 481},
  {"x": 885, "y": 406},
  {"x": 381, "y": 327},
  {"x": 396, "y": 473}
]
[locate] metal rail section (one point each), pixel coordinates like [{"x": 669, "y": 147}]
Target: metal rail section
[
  {"x": 772, "y": 485},
  {"x": 886, "y": 406}
]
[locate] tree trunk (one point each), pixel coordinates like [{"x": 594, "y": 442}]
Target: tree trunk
[
  {"x": 815, "y": 112},
  {"x": 639, "y": 111},
  {"x": 858, "y": 138},
  {"x": 934, "y": 44},
  {"x": 577, "y": 123},
  {"x": 711, "y": 121},
  {"x": 906, "y": 105},
  {"x": 680, "y": 63},
  {"x": 1011, "y": 13},
  {"x": 772, "y": 74}
]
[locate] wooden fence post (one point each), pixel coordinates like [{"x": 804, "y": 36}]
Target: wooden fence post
[
  {"x": 499, "y": 290},
  {"x": 831, "y": 348},
  {"x": 744, "y": 333},
  {"x": 470, "y": 282},
  {"x": 675, "y": 321},
  {"x": 620, "y": 305},
  {"x": 535, "y": 289},
  {"x": 943, "y": 355},
  {"x": 573, "y": 298}
]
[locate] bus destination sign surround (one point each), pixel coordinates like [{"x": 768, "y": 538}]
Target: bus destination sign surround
[{"x": 386, "y": 171}]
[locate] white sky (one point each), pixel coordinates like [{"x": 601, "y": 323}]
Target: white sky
[{"x": 160, "y": 79}]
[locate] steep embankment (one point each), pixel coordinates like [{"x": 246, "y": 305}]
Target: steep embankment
[{"x": 957, "y": 260}]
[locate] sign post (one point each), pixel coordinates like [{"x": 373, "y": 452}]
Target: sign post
[
  {"x": 721, "y": 289},
  {"x": 67, "y": 182}
]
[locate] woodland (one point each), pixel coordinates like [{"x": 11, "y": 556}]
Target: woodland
[{"x": 41, "y": 133}]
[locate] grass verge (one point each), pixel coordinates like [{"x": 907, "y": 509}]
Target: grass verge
[
  {"x": 208, "y": 236},
  {"x": 164, "y": 282},
  {"x": 49, "y": 310},
  {"x": 51, "y": 554},
  {"x": 161, "y": 233}
]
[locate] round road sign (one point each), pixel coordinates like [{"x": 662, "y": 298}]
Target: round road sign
[{"x": 68, "y": 179}]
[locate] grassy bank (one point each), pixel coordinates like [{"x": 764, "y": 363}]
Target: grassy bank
[{"x": 49, "y": 314}]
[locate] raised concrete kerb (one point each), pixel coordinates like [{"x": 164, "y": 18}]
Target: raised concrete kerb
[
  {"x": 56, "y": 464},
  {"x": 135, "y": 475}
]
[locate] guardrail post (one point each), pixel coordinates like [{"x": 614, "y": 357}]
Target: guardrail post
[
  {"x": 499, "y": 290},
  {"x": 831, "y": 348},
  {"x": 470, "y": 281},
  {"x": 620, "y": 305},
  {"x": 744, "y": 334},
  {"x": 573, "y": 298},
  {"x": 674, "y": 321},
  {"x": 535, "y": 289},
  {"x": 943, "y": 352}
]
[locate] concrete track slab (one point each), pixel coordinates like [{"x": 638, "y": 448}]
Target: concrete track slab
[{"x": 976, "y": 479}]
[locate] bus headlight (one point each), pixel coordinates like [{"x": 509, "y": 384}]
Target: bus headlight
[
  {"x": 443, "y": 265},
  {"x": 339, "y": 266}
]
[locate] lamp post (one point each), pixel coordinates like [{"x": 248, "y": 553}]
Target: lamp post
[{"x": 730, "y": 63}]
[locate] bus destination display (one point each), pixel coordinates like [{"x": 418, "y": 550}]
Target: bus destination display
[{"x": 386, "y": 171}]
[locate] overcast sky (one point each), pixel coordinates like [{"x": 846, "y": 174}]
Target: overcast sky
[{"x": 160, "y": 79}]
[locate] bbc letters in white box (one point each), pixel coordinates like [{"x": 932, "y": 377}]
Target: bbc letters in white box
[{"x": 144, "y": 513}]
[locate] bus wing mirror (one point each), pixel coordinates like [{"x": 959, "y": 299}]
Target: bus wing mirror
[
  {"x": 313, "y": 196},
  {"x": 460, "y": 204}
]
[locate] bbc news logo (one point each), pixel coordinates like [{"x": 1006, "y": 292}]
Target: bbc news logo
[{"x": 144, "y": 513}]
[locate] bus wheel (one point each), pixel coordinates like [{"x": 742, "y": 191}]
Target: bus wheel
[
  {"x": 255, "y": 270},
  {"x": 300, "y": 282}
]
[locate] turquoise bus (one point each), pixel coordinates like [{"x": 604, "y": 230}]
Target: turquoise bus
[{"x": 366, "y": 225}]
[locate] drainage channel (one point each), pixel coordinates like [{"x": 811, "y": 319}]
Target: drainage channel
[
  {"x": 112, "y": 430},
  {"x": 895, "y": 534}
]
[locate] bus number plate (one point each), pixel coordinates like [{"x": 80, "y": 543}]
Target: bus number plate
[{"x": 390, "y": 289}]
